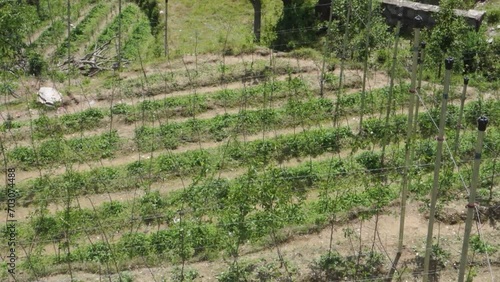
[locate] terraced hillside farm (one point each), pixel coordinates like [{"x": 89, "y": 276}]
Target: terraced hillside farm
[{"x": 248, "y": 141}]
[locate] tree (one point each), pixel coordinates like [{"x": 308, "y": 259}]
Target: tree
[
  {"x": 257, "y": 18},
  {"x": 293, "y": 29},
  {"x": 13, "y": 22},
  {"x": 447, "y": 37}
]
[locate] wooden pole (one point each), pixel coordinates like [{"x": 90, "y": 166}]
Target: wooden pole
[
  {"x": 421, "y": 59},
  {"x": 69, "y": 42},
  {"x": 409, "y": 132},
  {"x": 165, "y": 43},
  {"x": 119, "y": 35},
  {"x": 342, "y": 63},
  {"x": 461, "y": 113},
  {"x": 391, "y": 87},
  {"x": 326, "y": 51},
  {"x": 428, "y": 248},
  {"x": 365, "y": 66},
  {"x": 471, "y": 207}
]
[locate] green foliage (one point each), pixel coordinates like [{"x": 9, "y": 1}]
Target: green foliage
[
  {"x": 151, "y": 207},
  {"x": 49, "y": 36},
  {"x": 134, "y": 244},
  {"x": 128, "y": 16},
  {"x": 46, "y": 226},
  {"x": 334, "y": 267},
  {"x": 97, "y": 252},
  {"x": 15, "y": 20},
  {"x": 293, "y": 29},
  {"x": 84, "y": 30},
  {"x": 121, "y": 109},
  {"x": 379, "y": 36},
  {"x": 136, "y": 44},
  {"x": 36, "y": 64},
  {"x": 112, "y": 208},
  {"x": 440, "y": 255},
  {"x": 188, "y": 275},
  {"x": 151, "y": 9},
  {"x": 493, "y": 16},
  {"x": 86, "y": 119},
  {"x": 370, "y": 161},
  {"x": 452, "y": 37},
  {"x": 480, "y": 246}
]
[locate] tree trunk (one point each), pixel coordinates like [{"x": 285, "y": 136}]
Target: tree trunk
[{"x": 257, "y": 17}]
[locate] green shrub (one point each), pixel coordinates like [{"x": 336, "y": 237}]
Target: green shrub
[
  {"x": 493, "y": 16},
  {"x": 121, "y": 109},
  {"x": 134, "y": 244},
  {"x": 36, "y": 64},
  {"x": 369, "y": 160},
  {"x": 151, "y": 207},
  {"x": 98, "y": 252},
  {"x": 334, "y": 267},
  {"x": 112, "y": 208}
]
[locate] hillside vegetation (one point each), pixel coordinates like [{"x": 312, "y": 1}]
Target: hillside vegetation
[{"x": 201, "y": 150}]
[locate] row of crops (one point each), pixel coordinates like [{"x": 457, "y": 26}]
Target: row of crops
[
  {"x": 95, "y": 29},
  {"x": 214, "y": 208},
  {"x": 214, "y": 215},
  {"x": 295, "y": 113}
]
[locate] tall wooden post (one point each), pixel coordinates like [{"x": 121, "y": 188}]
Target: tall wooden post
[
  {"x": 437, "y": 166},
  {"x": 471, "y": 207}
]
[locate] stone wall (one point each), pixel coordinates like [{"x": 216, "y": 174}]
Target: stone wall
[{"x": 410, "y": 9}]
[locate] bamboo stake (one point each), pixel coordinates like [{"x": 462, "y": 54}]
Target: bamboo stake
[
  {"x": 365, "y": 67},
  {"x": 471, "y": 207},
  {"x": 419, "y": 85},
  {"x": 409, "y": 132},
  {"x": 428, "y": 248},
  {"x": 460, "y": 115},
  {"x": 69, "y": 42},
  {"x": 391, "y": 86},
  {"x": 326, "y": 51},
  {"x": 119, "y": 35},
  {"x": 165, "y": 43},
  {"x": 342, "y": 63}
]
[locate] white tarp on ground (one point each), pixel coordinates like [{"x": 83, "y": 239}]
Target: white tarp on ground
[{"x": 49, "y": 96}]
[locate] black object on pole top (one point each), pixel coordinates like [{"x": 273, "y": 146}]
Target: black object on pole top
[
  {"x": 481, "y": 123},
  {"x": 399, "y": 15},
  {"x": 419, "y": 21},
  {"x": 466, "y": 80},
  {"x": 448, "y": 63},
  {"x": 423, "y": 44}
]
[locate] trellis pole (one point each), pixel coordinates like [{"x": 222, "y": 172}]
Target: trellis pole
[
  {"x": 391, "y": 85},
  {"x": 461, "y": 113},
  {"x": 165, "y": 43},
  {"x": 471, "y": 206},
  {"x": 444, "y": 101},
  {"x": 342, "y": 64},
  {"x": 409, "y": 132},
  {"x": 365, "y": 66}
]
